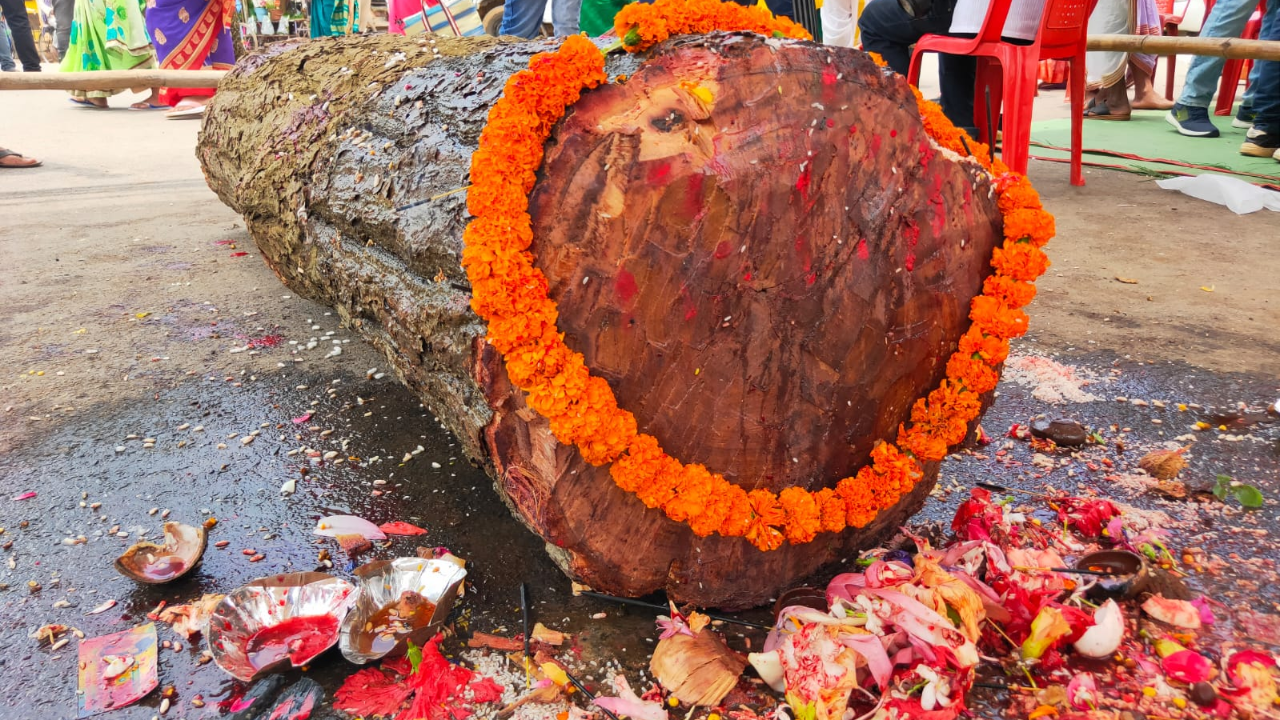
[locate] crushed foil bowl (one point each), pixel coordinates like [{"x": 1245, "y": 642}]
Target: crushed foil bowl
[
  {"x": 302, "y": 612},
  {"x": 379, "y": 586}
]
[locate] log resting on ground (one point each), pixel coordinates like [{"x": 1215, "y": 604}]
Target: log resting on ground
[{"x": 768, "y": 276}]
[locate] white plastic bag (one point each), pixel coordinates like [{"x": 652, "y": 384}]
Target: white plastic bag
[{"x": 1239, "y": 196}]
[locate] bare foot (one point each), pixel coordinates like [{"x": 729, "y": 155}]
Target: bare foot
[{"x": 1145, "y": 96}]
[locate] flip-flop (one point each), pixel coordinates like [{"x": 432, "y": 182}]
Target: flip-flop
[
  {"x": 147, "y": 106},
  {"x": 185, "y": 113},
  {"x": 9, "y": 153},
  {"x": 87, "y": 104},
  {"x": 1100, "y": 111}
]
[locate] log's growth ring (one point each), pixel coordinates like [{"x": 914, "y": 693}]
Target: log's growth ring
[{"x": 752, "y": 240}]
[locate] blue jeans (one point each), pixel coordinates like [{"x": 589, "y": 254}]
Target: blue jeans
[
  {"x": 523, "y": 18},
  {"x": 6, "y": 51},
  {"x": 1266, "y": 101},
  {"x": 1227, "y": 20}
]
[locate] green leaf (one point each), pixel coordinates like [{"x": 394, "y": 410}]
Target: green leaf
[
  {"x": 414, "y": 654},
  {"x": 1223, "y": 487},
  {"x": 1248, "y": 495}
]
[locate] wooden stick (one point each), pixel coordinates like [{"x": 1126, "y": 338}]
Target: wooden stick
[
  {"x": 1159, "y": 45},
  {"x": 111, "y": 79}
]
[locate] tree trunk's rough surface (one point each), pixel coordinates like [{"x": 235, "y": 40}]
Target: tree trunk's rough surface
[{"x": 768, "y": 275}]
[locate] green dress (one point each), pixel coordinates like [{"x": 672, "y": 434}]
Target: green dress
[
  {"x": 108, "y": 35},
  {"x": 597, "y": 15},
  {"x": 334, "y": 17}
]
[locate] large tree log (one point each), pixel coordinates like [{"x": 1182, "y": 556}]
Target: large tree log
[{"x": 767, "y": 282}]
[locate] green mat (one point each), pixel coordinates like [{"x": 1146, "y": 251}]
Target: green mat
[{"x": 1150, "y": 137}]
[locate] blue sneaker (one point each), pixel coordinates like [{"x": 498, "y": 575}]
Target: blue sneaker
[
  {"x": 1192, "y": 121},
  {"x": 1244, "y": 117}
]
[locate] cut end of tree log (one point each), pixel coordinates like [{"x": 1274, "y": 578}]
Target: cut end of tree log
[{"x": 752, "y": 240}]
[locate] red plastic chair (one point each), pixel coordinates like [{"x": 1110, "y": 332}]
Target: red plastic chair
[
  {"x": 1009, "y": 72},
  {"x": 1233, "y": 69}
]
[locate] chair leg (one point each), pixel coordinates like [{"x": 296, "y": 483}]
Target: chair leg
[
  {"x": 1171, "y": 62},
  {"x": 1019, "y": 85},
  {"x": 1077, "y": 117},
  {"x": 1228, "y": 87}
]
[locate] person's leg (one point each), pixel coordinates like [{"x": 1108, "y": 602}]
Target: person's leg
[
  {"x": 64, "y": 12},
  {"x": 958, "y": 74},
  {"x": 564, "y": 16},
  {"x": 887, "y": 30},
  {"x": 6, "y": 52},
  {"x": 1227, "y": 20},
  {"x": 1145, "y": 96},
  {"x": 24, "y": 43},
  {"x": 1269, "y": 29},
  {"x": 522, "y": 18}
]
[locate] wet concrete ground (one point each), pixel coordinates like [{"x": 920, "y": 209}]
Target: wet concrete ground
[{"x": 128, "y": 311}]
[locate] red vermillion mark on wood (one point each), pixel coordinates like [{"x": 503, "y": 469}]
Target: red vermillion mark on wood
[
  {"x": 693, "y": 206},
  {"x": 625, "y": 286},
  {"x": 658, "y": 173},
  {"x": 862, "y": 250},
  {"x": 829, "y": 77},
  {"x": 690, "y": 310},
  {"x": 874, "y": 149},
  {"x": 802, "y": 182}
]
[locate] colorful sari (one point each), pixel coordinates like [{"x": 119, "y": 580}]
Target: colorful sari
[
  {"x": 107, "y": 35},
  {"x": 191, "y": 35},
  {"x": 334, "y": 17}
]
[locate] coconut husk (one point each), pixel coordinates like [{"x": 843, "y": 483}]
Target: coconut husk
[
  {"x": 1163, "y": 464},
  {"x": 699, "y": 669}
]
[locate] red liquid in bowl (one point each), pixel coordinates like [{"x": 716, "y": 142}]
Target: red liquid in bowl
[{"x": 299, "y": 639}]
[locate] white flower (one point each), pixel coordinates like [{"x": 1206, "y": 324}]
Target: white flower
[{"x": 935, "y": 690}]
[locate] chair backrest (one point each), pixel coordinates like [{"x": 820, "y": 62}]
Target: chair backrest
[
  {"x": 1064, "y": 24},
  {"x": 993, "y": 22}
]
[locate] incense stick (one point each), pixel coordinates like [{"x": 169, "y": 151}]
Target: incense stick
[{"x": 663, "y": 608}]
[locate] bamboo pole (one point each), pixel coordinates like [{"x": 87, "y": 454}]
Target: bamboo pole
[
  {"x": 1159, "y": 45},
  {"x": 111, "y": 79}
]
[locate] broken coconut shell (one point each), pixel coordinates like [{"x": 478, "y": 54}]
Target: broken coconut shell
[
  {"x": 1062, "y": 431},
  {"x": 147, "y": 562},
  {"x": 699, "y": 669}
]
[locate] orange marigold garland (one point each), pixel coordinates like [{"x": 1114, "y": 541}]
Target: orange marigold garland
[{"x": 511, "y": 295}]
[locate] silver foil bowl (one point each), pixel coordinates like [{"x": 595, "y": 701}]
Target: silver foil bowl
[
  {"x": 276, "y": 622},
  {"x": 380, "y": 585}
]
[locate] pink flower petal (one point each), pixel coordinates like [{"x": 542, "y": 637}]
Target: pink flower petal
[
  {"x": 302, "y": 418},
  {"x": 25, "y": 496},
  {"x": 1186, "y": 666},
  {"x": 336, "y": 525}
]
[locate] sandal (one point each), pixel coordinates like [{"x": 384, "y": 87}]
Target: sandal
[
  {"x": 143, "y": 105},
  {"x": 87, "y": 104},
  {"x": 25, "y": 162},
  {"x": 1099, "y": 111}
]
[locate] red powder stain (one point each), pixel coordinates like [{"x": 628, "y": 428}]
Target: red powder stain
[
  {"x": 912, "y": 234},
  {"x": 811, "y": 278},
  {"x": 690, "y": 310},
  {"x": 828, "y": 83},
  {"x": 926, "y": 152},
  {"x": 722, "y": 250},
  {"x": 266, "y": 341},
  {"x": 693, "y": 195},
  {"x": 802, "y": 249},
  {"x": 830, "y": 123},
  {"x": 893, "y": 133},
  {"x": 862, "y": 249},
  {"x": 625, "y": 286},
  {"x": 874, "y": 149},
  {"x": 939, "y": 219},
  {"x": 911, "y": 261},
  {"x": 802, "y": 182},
  {"x": 658, "y": 173},
  {"x": 853, "y": 129},
  {"x": 747, "y": 277}
]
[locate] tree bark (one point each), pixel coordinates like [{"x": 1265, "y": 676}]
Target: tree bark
[{"x": 752, "y": 240}]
